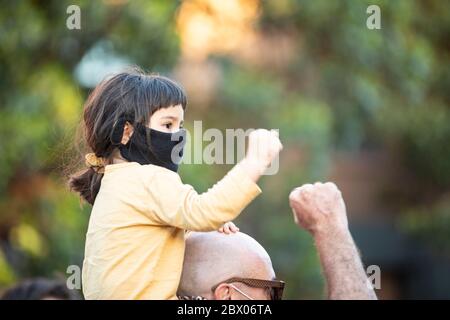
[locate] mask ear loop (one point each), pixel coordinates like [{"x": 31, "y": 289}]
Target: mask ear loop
[
  {"x": 117, "y": 132},
  {"x": 241, "y": 292}
]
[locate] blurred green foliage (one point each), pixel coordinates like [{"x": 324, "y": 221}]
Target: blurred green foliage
[{"x": 346, "y": 88}]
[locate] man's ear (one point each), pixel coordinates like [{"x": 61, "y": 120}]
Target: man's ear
[
  {"x": 222, "y": 292},
  {"x": 127, "y": 133}
]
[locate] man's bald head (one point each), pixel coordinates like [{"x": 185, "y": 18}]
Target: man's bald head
[{"x": 212, "y": 257}]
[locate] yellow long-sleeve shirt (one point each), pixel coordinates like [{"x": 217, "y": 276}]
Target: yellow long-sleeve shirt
[{"x": 135, "y": 239}]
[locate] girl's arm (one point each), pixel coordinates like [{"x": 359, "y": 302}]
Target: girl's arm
[{"x": 179, "y": 205}]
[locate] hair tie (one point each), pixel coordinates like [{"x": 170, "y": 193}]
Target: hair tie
[{"x": 94, "y": 162}]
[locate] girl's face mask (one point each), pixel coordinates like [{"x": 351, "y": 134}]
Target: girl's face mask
[{"x": 149, "y": 146}]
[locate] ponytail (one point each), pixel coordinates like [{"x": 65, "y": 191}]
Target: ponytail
[{"x": 86, "y": 183}]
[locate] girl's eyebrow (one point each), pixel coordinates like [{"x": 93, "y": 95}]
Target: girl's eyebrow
[
  {"x": 169, "y": 117},
  {"x": 172, "y": 118}
]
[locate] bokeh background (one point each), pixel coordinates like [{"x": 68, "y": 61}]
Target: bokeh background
[{"x": 367, "y": 109}]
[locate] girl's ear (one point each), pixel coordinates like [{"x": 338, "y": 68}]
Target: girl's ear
[{"x": 127, "y": 133}]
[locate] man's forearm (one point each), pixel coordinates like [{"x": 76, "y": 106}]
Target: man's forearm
[
  {"x": 320, "y": 209},
  {"x": 342, "y": 266}
]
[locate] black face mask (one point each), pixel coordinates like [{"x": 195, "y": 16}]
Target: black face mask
[{"x": 149, "y": 146}]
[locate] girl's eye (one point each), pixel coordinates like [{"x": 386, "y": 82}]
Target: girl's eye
[{"x": 168, "y": 125}]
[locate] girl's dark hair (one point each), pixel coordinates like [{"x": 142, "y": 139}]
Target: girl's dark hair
[{"x": 133, "y": 95}]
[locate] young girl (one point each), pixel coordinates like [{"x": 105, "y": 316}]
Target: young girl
[{"x": 141, "y": 209}]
